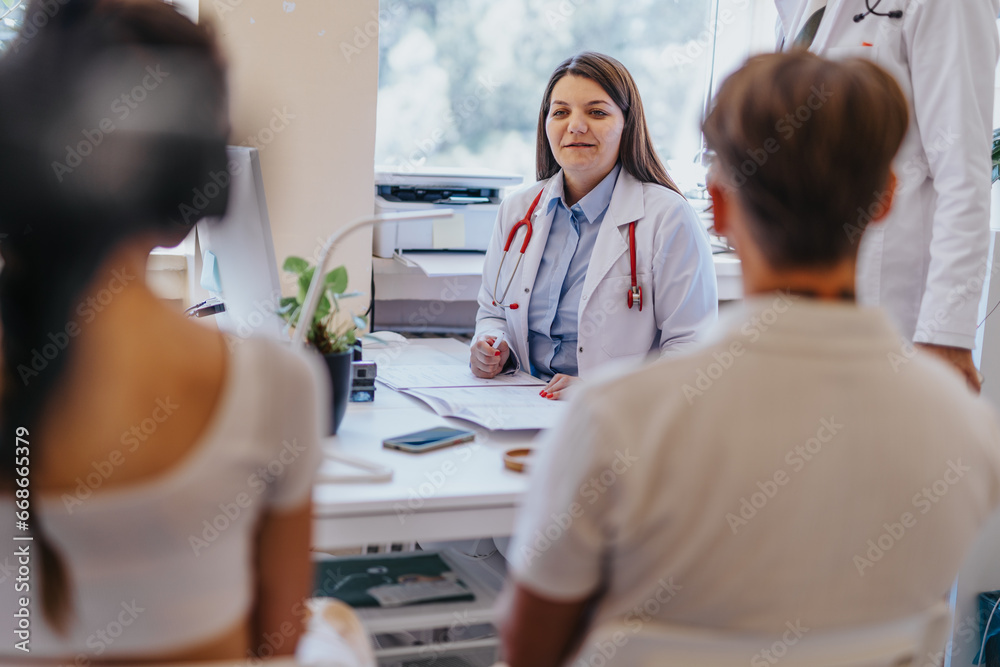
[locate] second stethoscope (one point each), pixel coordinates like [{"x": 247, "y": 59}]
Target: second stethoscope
[
  {"x": 634, "y": 291},
  {"x": 894, "y": 14}
]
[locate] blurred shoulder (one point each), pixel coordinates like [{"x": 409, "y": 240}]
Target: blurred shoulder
[
  {"x": 934, "y": 381},
  {"x": 622, "y": 388},
  {"x": 287, "y": 390},
  {"x": 280, "y": 365}
]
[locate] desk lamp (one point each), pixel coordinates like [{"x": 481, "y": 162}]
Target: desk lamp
[{"x": 373, "y": 471}]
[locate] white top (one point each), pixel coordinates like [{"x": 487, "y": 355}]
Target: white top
[
  {"x": 674, "y": 269},
  {"x": 926, "y": 263},
  {"x": 168, "y": 563},
  {"x": 805, "y": 465}
]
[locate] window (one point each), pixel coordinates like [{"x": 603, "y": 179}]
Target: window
[
  {"x": 11, "y": 18},
  {"x": 460, "y": 81}
]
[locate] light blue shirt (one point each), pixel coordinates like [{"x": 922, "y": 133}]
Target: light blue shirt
[{"x": 553, "y": 312}]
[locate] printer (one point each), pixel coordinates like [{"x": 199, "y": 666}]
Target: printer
[{"x": 474, "y": 195}]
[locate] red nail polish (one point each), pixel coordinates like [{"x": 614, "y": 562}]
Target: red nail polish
[{"x": 497, "y": 354}]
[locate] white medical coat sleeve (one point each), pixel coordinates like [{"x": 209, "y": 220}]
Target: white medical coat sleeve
[
  {"x": 563, "y": 527},
  {"x": 952, "y": 48},
  {"x": 491, "y": 319},
  {"x": 686, "y": 299}
]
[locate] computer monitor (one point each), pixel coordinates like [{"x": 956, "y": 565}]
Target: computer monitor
[{"x": 235, "y": 261}]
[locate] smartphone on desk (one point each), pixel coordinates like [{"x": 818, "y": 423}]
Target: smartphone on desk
[{"x": 426, "y": 440}]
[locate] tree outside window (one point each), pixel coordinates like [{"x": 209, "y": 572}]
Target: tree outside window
[
  {"x": 461, "y": 81},
  {"x": 11, "y": 18}
]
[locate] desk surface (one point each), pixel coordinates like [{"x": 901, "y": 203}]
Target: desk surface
[{"x": 458, "y": 492}]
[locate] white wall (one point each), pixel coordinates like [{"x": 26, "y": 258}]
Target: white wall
[{"x": 310, "y": 109}]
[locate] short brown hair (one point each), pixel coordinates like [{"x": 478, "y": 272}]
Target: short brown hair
[
  {"x": 636, "y": 152},
  {"x": 808, "y": 144}
]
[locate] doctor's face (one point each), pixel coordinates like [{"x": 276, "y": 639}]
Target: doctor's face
[{"x": 584, "y": 127}]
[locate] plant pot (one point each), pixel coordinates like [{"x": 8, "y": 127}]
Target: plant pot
[{"x": 339, "y": 366}]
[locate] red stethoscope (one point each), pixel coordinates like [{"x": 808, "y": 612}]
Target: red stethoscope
[{"x": 634, "y": 292}]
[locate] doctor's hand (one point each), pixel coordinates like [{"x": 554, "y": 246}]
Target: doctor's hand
[
  {"x": 485, "y": 361},
  {"x": 960, "y": 358},
  {"x": 557, "y": 385}
]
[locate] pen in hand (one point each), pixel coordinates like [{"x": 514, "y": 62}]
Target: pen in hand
[{"x": 496, "y": 343}]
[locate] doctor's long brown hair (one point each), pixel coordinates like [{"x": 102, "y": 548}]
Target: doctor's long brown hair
[{"x": 636, "y": 152}]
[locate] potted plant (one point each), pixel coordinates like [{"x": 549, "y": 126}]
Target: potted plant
[{"x": 332, "y": 335}]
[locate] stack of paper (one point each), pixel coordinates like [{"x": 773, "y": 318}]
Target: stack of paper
[{"x": 506, "y": 402}]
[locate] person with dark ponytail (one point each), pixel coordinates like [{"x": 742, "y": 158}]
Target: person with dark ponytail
[{"x": 161, "y": 472}]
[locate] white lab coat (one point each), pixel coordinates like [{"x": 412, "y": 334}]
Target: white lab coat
[
  {"x": 673, "y": 265},
  {"x": 925, "y": 265}
]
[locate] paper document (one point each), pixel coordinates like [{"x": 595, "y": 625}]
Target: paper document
[
  {"x": 398, "y": 595},
  {"x": 498, "y": 408},
  {"x": 390, "y": 581},
  {"x": 440, "y": 264},
  {"x": 401, "y": 377}
]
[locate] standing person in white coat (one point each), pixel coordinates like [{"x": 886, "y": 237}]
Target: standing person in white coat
[
  {"x": 925, "y": 265},
  {"x": 602, "y": 258}
]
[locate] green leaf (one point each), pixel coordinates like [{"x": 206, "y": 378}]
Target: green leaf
[
  {"x": 333, "y": 299},
  {"x": 336, "y": 280},
  {"x": 324, "y": 338},
  {"x": 323, "y": 309},
  {"x": 349, "y": 295},
  {"x": 295, "y": 264},
  {"x": 304, "y": 279}
]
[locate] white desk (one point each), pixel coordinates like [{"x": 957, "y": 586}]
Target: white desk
[{"x": 454, "y": 493}]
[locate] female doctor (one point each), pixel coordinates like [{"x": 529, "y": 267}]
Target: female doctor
[{"x": 602, "y": 258}]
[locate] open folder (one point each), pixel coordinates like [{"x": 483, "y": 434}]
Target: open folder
[{"x": 503, "y": 403}]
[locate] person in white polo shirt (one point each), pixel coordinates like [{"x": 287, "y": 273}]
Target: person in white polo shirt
[{"x": 801, "y": 470}]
